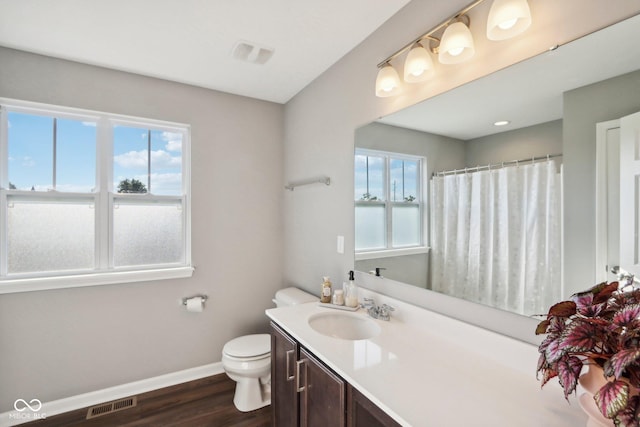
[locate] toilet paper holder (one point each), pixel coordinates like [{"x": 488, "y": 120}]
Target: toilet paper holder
[{"x": 204, "y": 299}]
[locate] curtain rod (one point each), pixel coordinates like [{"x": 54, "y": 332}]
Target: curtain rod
[{"x": 496, "y": 165}]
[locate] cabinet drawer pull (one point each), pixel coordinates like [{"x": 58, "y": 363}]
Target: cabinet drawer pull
[
  {"x": 300, "y": 363},
  {"x": 289, "y": 356}
]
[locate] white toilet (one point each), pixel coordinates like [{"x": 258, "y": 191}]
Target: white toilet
[{"x": 247, "y": 359}]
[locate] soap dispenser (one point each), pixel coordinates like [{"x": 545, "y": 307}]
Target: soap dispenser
[
  {"x": 351, "y": 295},
  {"x": 325, "y": 296}
]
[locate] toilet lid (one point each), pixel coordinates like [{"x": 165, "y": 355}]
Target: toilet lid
[{"x": 248, "y": 346}]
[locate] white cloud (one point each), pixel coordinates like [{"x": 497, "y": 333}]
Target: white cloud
[
  {"x": 160, "y": 159},
  {"x": 132, "y": 160},
  {"x": 174, "y": 141},
  {"x": 28, "y": 162},
  {"x": 90, "y": 124}
]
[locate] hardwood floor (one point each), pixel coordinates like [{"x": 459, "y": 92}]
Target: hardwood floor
[{"x": 207, "y": 402}]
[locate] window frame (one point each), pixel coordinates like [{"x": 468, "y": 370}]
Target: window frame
[
  {"x": 389, "y": 250},
  {"x": 104, "y": 195}
]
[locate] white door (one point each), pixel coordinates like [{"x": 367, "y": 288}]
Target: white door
[
  {"x": 607, "y": 198},
  {"x": 630, "y": 193}
]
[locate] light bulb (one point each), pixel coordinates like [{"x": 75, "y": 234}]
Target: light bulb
[{"x": 505, "y": 25}]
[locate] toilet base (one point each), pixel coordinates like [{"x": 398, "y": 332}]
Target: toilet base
[{"x": 251, "y": 394}]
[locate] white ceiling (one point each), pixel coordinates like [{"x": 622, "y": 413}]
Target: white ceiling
[
  {"x": 529, "y": 92},
  {"x": 190, "y": 41}
]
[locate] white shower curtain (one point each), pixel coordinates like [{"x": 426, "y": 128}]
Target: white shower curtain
[{"x": 496, "y": 236}]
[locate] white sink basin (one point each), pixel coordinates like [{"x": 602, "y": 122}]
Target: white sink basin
[{"x": 344, "y": 326}]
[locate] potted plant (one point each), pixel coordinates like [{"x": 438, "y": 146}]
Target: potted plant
[{"x": 599, "y": 327}]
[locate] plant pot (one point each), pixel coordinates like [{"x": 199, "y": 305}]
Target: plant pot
[{"x": 591, "y": 381}]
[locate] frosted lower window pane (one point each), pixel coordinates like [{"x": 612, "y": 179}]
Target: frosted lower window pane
[
  {"x": 50, "y": 236},
  {"x": 406, "y": 225},
  {"x": 370, "y": 227},
  {"x": 145, "y": 234}
]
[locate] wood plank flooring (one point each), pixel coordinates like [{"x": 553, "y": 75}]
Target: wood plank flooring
[{"x": 207, "y": 402}]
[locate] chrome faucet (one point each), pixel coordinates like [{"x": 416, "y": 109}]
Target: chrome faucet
[{"x": 382, "y": 312}]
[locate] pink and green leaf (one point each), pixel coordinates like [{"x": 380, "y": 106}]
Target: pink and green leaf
[
  {"x": 627, "y": 316},
  {"x": 568, "y": 372},
  {"x": 579, "y": 337},
  {"x": 553, "y": 352},
  {"x": 612, "y": 398},
  {"x": 617, "y": 364}
]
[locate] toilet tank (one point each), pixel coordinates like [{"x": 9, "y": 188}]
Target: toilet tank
[{"x": 293, "y": 296}]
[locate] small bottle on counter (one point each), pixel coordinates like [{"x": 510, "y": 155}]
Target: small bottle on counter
[
  {"x": 351, "y": 295},
  {"x": 338, "y": 297},
  {"x": 325, "y": 296}
]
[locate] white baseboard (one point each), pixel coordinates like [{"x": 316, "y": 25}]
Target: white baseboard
[{"x": 55, "y": 407}]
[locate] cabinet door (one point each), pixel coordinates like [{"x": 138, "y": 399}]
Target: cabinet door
[
  {"x": 284, "y": 396},
  {"x": 361, "y": 412},
  {"x": 322, "y": 394}
]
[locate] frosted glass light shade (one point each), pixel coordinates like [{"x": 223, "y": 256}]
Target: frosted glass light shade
[
  {"x": 508, "y": 18},
  {"x": 418, "y": 66},
  {"x": 456, "y": 45},
  {"x": 387, "y": 82}
]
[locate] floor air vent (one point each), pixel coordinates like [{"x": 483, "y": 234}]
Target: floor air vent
[{"x": 111, "y": 407}]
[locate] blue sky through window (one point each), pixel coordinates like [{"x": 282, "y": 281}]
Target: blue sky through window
[
  {"x": 30, "y": 162},
  {"x": 131, "y": 158}
]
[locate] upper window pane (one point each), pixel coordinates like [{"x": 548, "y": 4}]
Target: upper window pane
[
  {"x": 75, "y": 155},
  {"x": 40, "y": 145},
  {"x": 147, "y": 161},
  {"x": 369, "y": 177},
  {"x": 30, "y": 163},
  {"x": 403, "y": 180}
]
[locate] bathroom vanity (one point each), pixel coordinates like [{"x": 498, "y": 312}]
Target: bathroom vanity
[
  {"x": 306, "y": 392},
  {"x": 417, "y": 369}
]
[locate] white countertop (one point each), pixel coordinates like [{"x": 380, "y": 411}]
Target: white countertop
[{"x": 425, "y": 369}]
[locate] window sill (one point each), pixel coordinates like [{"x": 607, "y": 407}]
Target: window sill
[
  {"x": 9, "y": 286},
  {"x": 389, "y": 253}
]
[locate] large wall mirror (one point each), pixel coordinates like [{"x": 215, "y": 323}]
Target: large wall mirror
[{"x": 447, "y": 201}]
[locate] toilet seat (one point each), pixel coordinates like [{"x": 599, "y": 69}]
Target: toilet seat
[{"x": 248, "y": 347}]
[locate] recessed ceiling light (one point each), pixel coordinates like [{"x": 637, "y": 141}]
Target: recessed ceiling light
[{"x": 502, "y": 123}]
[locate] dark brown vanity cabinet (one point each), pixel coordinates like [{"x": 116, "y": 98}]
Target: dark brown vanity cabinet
[
  {"x": 306, "y": 393},
  {"x": 361, "y": 412}
]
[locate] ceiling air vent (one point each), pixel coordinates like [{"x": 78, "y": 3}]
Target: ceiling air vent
[
  {"x": 111, "y": 407},
  {"x": 251, "y": 52}
]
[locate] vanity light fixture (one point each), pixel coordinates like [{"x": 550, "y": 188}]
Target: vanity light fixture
[
  {"x": 507, "y": 18},
  {"x": 387, "y": 82},
  {"x": 418, "y": 66},
  {"x": 457, "y": 44}
]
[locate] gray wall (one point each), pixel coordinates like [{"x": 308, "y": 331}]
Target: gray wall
[
  {"x": 583, "y": 109},
  {"x": 59, "y": 343},
  {"x": 524, "y": 143}
]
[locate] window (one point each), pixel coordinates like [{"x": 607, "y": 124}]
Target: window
[
  {"x": 388, "y": 201},
  {"x": 90, "y": 198}
]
